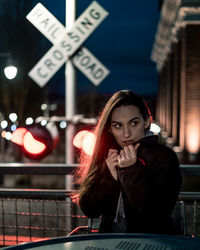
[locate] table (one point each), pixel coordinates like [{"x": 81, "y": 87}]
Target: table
[{"x": 114, "y": 241}]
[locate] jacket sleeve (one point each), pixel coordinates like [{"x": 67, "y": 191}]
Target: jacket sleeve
[
  {"x": 96, "y": 199},
  {"x": 134, "y": 184},
  {"x": 165, "y": 182},
  {"x": 153, "y": 187}
]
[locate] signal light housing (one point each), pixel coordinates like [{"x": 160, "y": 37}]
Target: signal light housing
[{"x": 36, "y": 141}]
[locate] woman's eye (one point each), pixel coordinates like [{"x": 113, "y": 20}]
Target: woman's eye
[
  {"x": 134, "y": 123},
  {"x": 117, "y": 125}
]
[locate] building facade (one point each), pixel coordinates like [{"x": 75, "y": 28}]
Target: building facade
[{"x": 176, "y": 52}]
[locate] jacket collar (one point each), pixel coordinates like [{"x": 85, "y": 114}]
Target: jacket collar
[{"x": 152, "y": 139}]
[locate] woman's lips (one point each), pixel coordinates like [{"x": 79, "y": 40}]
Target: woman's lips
[{"x": 128, "y": 142}]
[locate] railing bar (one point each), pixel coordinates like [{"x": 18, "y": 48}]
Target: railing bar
[
  {"x": 30, "y": 222},
  {"x": 194, "y": 218},
  {"x": 43, "y": 219},
  {"x": 43, "y": 169},
  {"x": 51, "y": 194},
  {"x": 47, "y": 215},
  {"x": 189, "y": 195},
  {"x": 57, "y": 211},
  {"x": 37, "y": 228},
  {"x": 64, "y": 169},
  {"x": 184, "y": 218},
  {"x": 16, "y": 220},
  {"x": 3, "y": 228}
]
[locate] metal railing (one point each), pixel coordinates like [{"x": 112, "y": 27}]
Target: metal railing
[{"x": 34, "y": 214}]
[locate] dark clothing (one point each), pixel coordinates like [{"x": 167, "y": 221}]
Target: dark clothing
[{"x": 149, "y": 189}]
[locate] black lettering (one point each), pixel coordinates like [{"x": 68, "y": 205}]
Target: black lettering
[
  {"x": 53, "y": 33},
  {"x": 45, "y": 22},
  {"x": 81, "y": 31},
  {"x": 94, "y": 14},
  {"x": 65, "y": 45},
  {"x": 58, "y": 55},
  {"x": 92, "y": 67},
  {"x": 78, "y": 54},
  {"x": 49, "y": 64},
  {"x": 86, "y": 23},
  {"x": 85, "y": 60},
  {"x": 38, "y": 13},
  {"x": 75, "y": 37},
  {"x": 51, "y": 27},
  {"x": 98, "y": 74},
  {"x": 41, "y": 73}
]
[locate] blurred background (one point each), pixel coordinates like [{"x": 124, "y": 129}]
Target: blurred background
[
  {"x": 148, "y": 47},
  {"x": 122, "y": 42}
]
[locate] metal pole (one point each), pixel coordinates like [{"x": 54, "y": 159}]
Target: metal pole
[
  {"x": 70, "y": 110},
  {"x": 70, "y": 90},
  {"x": 2, "y": 142}
]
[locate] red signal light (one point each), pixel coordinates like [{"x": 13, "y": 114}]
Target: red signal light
[
  {"x": 36, "y": 140},
  {"x": 33, "y": 146},
  {"x": 18, "y": 135},
  {"x": 85, "y": 140},
  {"x": 78, "y": 139}
]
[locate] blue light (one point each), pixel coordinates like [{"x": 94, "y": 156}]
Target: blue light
[{"x": 13, "y": 127}]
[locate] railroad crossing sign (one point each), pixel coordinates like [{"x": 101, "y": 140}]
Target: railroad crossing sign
[{"x": 66, "y": 44}]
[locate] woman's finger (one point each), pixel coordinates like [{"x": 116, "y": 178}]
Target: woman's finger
[
  {"x": 113, "y": 156},
  {"x": 111, "y": 151},
  {"x": 121, "y": 157},
  {"x": 122, "y": 153},
  {"x": 133, "y": 152},
  {"x": 127, "y": 151},
  {"x": 137, "y": 146}
]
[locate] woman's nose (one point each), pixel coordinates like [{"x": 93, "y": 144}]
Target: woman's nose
[{"x": 126, "y": 132}]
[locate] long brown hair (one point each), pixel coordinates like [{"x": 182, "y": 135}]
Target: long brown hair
[{"x": 92, "y": 167}]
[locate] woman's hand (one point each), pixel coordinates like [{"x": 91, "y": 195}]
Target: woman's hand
[
  {"x": 112, "y": 162},
  {"x": 128, "y": 156}
]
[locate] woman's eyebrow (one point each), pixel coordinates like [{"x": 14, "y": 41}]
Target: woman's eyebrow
[
  {"x": 134, "y": 118},
  {"x": 115, "y": 122}
]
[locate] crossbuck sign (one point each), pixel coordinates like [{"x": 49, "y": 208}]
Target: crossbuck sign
[{"x": 65, "y": 44}]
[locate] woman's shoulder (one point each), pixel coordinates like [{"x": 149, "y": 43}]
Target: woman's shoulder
[{"x": 151, "y": 145}]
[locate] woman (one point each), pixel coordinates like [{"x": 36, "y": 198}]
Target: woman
[{"x": 131, "y": 181}]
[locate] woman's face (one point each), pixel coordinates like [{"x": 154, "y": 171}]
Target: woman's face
[{"x": 128, "y": 125}]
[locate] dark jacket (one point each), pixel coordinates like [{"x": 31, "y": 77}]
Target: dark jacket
[{"x": 149, "y": 188}]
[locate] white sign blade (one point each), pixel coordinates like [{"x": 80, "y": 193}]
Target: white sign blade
[
  {"x": 48, "y": 65},
  {"x": 46, "y": 23},
  {"x": 90, "y": 66},
  {"x": 65, "y": 44},
  {"x": 49, "y": 26},
  {"x": 89, "y": 20}
]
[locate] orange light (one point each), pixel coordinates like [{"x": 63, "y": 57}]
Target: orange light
[
  {"x": 32, "y": 145},
  {"x": 85, "y": 140},
  {"x": 193, "y": 137},
  {"x": 18, "y": 135},
  {"x": 3, "y": 134}
]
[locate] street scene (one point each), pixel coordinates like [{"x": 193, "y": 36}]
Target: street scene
[{"x": 99, "y": 124}]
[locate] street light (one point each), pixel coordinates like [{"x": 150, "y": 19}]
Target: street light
[{"x": 10, "y": 70}]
